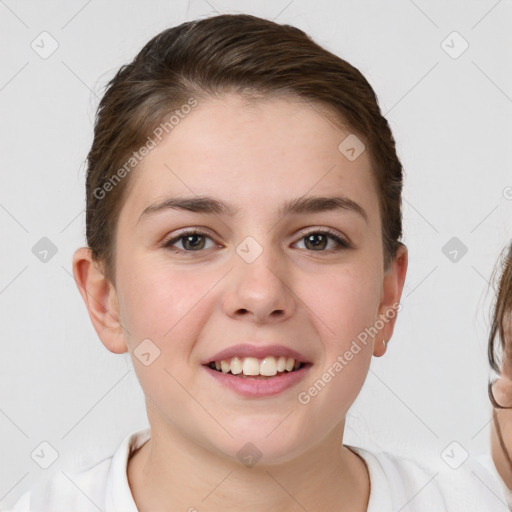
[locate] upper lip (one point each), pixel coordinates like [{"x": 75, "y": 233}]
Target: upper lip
[{"x": 258, "y": 351}]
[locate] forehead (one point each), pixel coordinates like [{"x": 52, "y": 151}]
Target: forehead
[{"x": 255, "y": 155}]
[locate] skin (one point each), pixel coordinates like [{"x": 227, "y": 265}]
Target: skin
[
  {"x": 194, "y": 304},
  {"x": 502, "y": 390}
]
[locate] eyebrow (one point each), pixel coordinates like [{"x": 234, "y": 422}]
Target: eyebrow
[{"x": 301, "y": 205}]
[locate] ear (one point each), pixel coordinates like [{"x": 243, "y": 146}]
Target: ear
[
  {"x": 393, "y": 284},
  {"x": 100, "y": 298}
]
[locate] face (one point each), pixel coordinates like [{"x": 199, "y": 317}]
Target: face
[{"x": 261, "y": 282}]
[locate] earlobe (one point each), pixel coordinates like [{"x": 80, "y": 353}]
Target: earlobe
[
  {"x": 393, "y": 284},
  {"x": 379, "y": 347},
  {"x": 100, "y": 298}
]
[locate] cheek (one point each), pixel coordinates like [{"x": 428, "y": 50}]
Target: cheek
[
  {"x": 344, "y": 307},
  {"x": 160, "y": 304},
  {"x": 164, "y": 307},
  {"x": 347, "y": 303}
]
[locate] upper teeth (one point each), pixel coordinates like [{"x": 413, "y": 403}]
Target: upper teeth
[{"x": 267, "y": 366}]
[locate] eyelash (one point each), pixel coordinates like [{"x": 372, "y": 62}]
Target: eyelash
[{"x": 342, "y": 244}]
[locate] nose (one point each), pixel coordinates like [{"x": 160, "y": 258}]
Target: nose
[{"x": 260, "y": 290}]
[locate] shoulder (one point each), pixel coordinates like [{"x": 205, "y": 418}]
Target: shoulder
[
  {"x": 60, "y": 491},
  {"x": 103, "y": 486},
  {"x": 401, "y": 483},
  {"x": 430, "y": 485}
]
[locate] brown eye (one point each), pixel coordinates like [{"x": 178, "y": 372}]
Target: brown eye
[
  {"x": 191, "y": 241},
  {"x": 318, "y": 241}
]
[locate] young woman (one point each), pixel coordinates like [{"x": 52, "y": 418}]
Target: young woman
[{"x": 243, "y": 230}]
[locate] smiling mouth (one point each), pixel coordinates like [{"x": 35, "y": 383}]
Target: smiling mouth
[{"x": 252, "y": 367}]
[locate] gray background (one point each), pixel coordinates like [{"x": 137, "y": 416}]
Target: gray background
[{"x": 452, "y": 121}]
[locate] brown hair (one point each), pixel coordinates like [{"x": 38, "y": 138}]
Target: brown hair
[
  {"x": 236, "y": 53},
  {"x": 501, "y": 323}
]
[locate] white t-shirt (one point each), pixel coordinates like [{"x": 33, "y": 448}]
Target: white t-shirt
[
  {"x": 487, "y": 462},
  {"x": 397, "y": 485}
]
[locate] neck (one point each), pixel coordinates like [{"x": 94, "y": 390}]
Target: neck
[{"x": 169, "y": 472}]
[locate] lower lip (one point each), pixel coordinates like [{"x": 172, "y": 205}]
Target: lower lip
[{"x": 258, "y": 387}]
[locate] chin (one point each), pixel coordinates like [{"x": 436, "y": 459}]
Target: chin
[{"x": 253, "y": 445}]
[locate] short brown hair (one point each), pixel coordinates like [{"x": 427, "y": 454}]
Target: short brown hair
[
  {"x": 238, "y": 53},
  {"x": 501, "y": 322}
]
